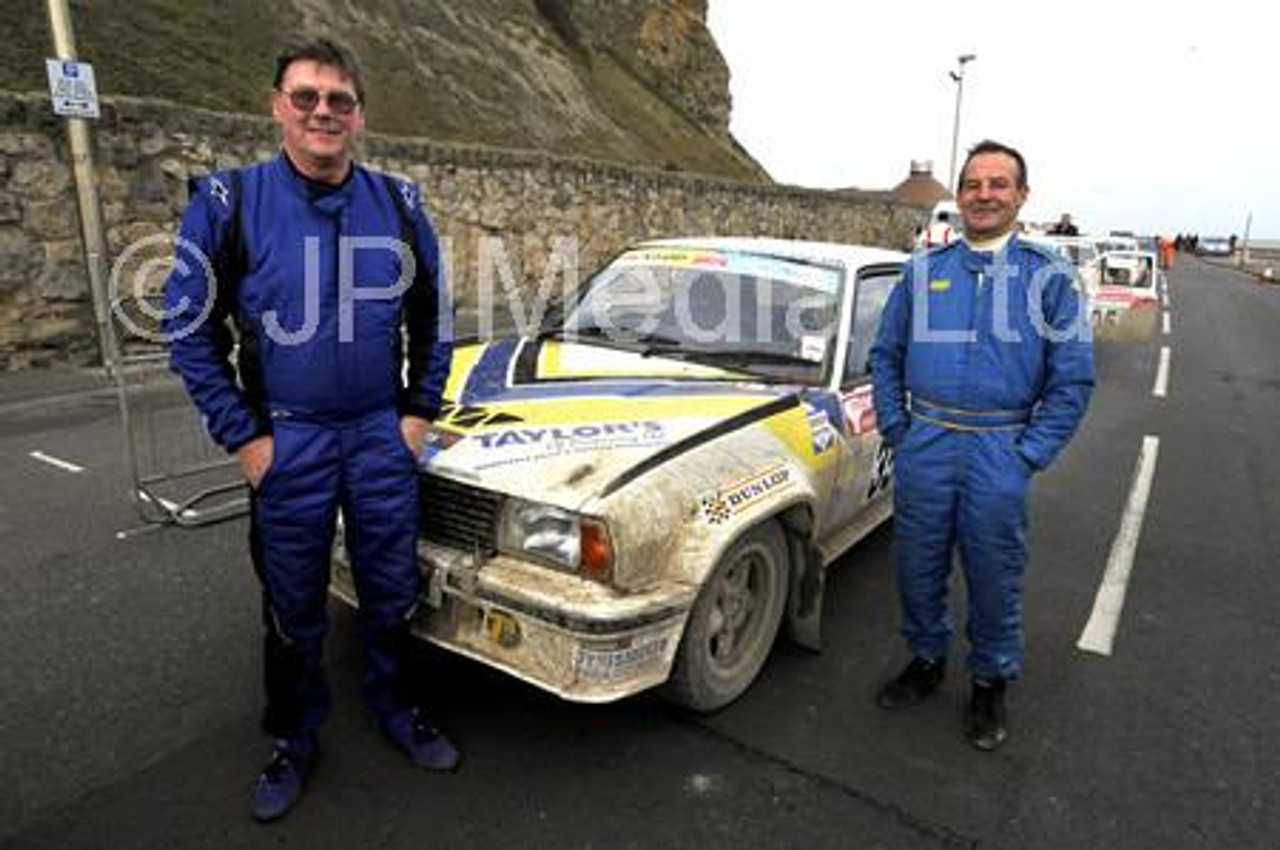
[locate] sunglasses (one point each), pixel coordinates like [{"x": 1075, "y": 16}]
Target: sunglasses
[{"x": 306, "y": 100}]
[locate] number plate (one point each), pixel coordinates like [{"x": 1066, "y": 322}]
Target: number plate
[{"x": 606, "y": 664}]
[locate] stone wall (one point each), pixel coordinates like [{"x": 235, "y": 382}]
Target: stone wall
[{"x": 504, "y": 216}]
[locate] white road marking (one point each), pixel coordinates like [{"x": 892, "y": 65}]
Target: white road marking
[
  {"x": 1161, "y": 389},
  {"x": 65, "y": 465},
  {"x": 130, "y": 533},
  {"x": 157, "y": 500},
  {"x": 1166, "y": 324},
  {"x": 1100, "y": 632},
  {"x": 171, "y": 507}
]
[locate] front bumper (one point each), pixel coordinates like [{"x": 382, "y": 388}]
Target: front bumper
[
  {"x": 580, "y": 640},
  {"x": 1124, "y": 321}
]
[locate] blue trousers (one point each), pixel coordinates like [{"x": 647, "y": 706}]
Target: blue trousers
[
  {"x": 363, "y": 468},
  {"x": 965, "y": 492}
]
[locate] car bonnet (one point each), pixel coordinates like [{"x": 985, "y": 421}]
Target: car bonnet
[{"x": 561, "y": 422}]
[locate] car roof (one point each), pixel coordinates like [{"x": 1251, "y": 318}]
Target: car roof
[
  {"x": 1112, "y": 239},
  {"x": 1060, "y": 239},
  {"x": 853, "y": 256}
]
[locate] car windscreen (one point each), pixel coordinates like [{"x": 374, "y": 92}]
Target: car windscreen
[
  {"x": 770, "y": 316},
  {"x": 1128, "y": 268}
]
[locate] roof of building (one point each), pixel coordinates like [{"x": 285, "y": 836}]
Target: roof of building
[{"x": 921, "y": 188}]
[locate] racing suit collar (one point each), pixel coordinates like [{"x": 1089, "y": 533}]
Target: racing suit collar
[
  {"x": 992, "y": 245},
  {"x": 330, "y": 197},
  {"x": 982, "y": 261}
]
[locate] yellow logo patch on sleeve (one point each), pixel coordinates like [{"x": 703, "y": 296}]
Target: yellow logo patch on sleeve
[{"x": 940, "y": 285}]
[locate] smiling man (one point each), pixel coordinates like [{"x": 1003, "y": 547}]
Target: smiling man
[
  {"x": 322, "y": 266},
  {"x": 319, "y": 109},
  {"x": 983, "y": 368}
]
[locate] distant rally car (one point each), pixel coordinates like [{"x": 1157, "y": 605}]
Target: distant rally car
[
  {"x": 646, "y": 490},
  {"x": 1127, "y": 303}
]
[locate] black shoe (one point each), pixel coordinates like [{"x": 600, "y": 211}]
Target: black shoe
[
  {"x": 918, "y": 680},
  {"x": 985, "y": 719}
]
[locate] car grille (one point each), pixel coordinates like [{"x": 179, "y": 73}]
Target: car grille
[{"x": 459, "y": 515}]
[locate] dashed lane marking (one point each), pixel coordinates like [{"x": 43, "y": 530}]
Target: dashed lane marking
[
  {"x": 1100, "y": 631},
  {"x": 1161, "y": 388},
  {"x": 64, "y": 465}
]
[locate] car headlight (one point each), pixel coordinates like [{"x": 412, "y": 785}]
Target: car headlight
[{"x": 557, "y": 536}]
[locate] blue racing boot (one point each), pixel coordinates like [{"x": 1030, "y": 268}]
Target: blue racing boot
[
  {"x": 280, "y": 784},
  {"x": 411, "y": 732}
]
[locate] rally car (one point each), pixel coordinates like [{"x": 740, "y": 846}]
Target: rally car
[
  {"x": 1127, "y": 303},
  {"x": 644, "y": 490}
]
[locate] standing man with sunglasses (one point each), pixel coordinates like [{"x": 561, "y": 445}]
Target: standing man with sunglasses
[
  {"x": 983, "y": 368},
  {"x": 331, "y": 276}
]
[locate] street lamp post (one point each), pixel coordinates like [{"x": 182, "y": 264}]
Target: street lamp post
[{"x": 957, "y": 75}]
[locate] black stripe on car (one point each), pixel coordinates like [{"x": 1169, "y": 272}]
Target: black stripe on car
[{"x": 691, "y": 442}]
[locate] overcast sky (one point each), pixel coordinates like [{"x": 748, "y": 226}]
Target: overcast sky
[{"x": 1139, "y": 116}]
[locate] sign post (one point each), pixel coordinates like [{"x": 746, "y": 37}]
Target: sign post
[
  {"x": 1243, "y": 259},
  {"x": 74, "y": 93}
]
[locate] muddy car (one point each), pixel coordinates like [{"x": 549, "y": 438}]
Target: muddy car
[
  {"x": 1127, "y": 303},
  {"x": 648, "y": 488}
]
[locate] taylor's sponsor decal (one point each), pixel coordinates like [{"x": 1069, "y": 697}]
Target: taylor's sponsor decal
[
  {"x": 722, "y": 505},
  {"x": 520, "y": 445},
  {"x": 591, "y": 433}
]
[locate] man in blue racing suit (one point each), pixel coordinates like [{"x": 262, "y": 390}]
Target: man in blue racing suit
[
  {"x": 320, "y": 263},
  {"x": 983, "y": 368}
]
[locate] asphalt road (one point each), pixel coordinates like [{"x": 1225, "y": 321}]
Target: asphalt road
[{"x": 130, "y": 685}]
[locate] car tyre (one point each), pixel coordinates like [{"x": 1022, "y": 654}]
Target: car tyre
[{"x": 733, "y": 623}]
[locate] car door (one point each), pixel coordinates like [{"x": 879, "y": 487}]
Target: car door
[{"x": 866, "y": 464}]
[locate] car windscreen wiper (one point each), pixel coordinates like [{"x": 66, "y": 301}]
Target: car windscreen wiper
[
  {"x": 659, "y": 345},
  {"x": 561, "y": 332},
  {"x": 749, "y": 356}
]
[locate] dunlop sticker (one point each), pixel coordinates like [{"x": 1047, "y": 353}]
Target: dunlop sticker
[{"x": 721, "y": 506}]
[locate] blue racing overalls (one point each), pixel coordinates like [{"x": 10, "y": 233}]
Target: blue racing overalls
[
  {"x": 983, "y": 368},
  {"x": 334, "y": 346}
]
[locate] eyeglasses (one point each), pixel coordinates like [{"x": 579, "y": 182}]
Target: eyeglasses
[{"x": 306, "y": 100}]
